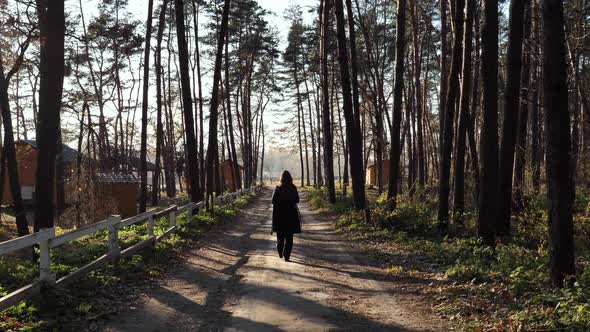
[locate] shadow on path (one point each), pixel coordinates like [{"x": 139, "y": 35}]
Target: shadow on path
[{"x": 233, "y": 280}]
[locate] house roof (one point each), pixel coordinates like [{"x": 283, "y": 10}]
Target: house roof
[
  {"x": 115, "y": 177},
  {"x": 70, "y": 155}
]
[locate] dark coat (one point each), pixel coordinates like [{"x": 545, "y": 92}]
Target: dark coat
[{"x": 285, "y": 214}]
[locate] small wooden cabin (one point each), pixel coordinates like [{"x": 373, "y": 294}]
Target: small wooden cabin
[
  {"x": 26, "y": 157},
  {"x": 371, "y": 177},
  {"x": 122, "y": 192},
  {"x": 227, "y": 175}
]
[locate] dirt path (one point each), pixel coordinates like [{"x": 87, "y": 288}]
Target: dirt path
[{"x": 233, "y": 280}]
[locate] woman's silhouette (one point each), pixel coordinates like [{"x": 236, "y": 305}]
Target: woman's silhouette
[{"x": 285, "y": 215}]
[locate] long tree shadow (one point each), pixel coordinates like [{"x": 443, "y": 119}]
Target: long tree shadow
[
  {"x": 223, "y": 284},
  {"x": 219, "y": 289}
]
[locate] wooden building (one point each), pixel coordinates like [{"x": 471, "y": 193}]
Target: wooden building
[
  {"x": 26, "y": 156},
  {"x": 371, "y": 177},
  {"x": 226, "y": 174},
  {"x": 122, "y": 192}
]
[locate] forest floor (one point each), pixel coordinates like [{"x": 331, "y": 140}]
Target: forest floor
[{"x": 233, "y": 279}]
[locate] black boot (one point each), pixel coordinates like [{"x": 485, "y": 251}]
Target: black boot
[{"x": 280, "y": 244}]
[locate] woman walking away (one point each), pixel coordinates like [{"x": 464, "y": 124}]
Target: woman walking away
[{"x": 285, "y": 215}]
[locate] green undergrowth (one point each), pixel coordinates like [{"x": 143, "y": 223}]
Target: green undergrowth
[
  {"x": 318, "y": 198},
  {"x": 482, "y": 288},
  {"x": 99, "y": 292}
]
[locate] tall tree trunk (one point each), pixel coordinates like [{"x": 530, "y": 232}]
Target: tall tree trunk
[
  {"x": 353, "y": 130},
  {"x": 10, "y": 156},
  {"x": 217, "y": 180},
  {"x": 311, "y": 131},
  {"x": 201, "y": 165},
  {"x": 159, "y": 125},
  {"x": 144, "y": 111},
  {"x": 459, "y": 201},
  {"x": 187, "y": 104},
  {"x": 511, "y": 103},
  {"x": 302, "y": 125},
  {"x": 52, "y": 27},
  {"x": 419, "y": 106},
  {"x": 410, "y": 145},
  {"x": 489, "y": 131},
  {"x": 395, "y": 150},
  {"x": 169, "y": 157},
  {"x": 536, "y": 150},
  {"x": 214, "y": 114},
  {"x": 344, "y": 142},
  {"x": 580, "y": 105},
  {"x": 560, "y": 183},
  {"x": 475, "y": 99},
  {"x": 443, "y": 70},
  {"x": 525, "y": 96},
  {"x": 232, "y": 148},
  {"x": 103, "y": 143},
  {"x": 353, "y": 63},
  {"x": 327, "y": 130},
  {"x": 449, "y": 118}
]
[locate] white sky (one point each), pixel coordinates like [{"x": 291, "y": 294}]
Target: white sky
[
  {"x": 139, "y": 8},
  {"x": 276, "y": 8}
]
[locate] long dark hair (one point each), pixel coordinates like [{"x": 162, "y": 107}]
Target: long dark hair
[{"x": 287, "y": 180}]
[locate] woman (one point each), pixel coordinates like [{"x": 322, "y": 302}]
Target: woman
[{"x": 285, "y": 215}]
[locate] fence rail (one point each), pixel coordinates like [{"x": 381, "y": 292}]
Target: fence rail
[{"x": 47, "y": 240}]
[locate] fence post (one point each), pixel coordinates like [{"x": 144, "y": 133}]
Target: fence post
[
  {"x": 172, "y": 217},
  {"x": 45, "y": 275},
  {"x": 114, "y": 249},
  {"x": 150, "y": 224},
  {"x": 191, "y": 208}
]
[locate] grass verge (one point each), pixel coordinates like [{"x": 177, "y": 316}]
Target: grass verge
[{"x": 505, "y": 288}]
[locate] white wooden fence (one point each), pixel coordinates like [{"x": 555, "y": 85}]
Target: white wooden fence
[{"x": 46, "y": 240}]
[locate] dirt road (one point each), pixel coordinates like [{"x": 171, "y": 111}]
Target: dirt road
[{"x": 234, "y": 280}]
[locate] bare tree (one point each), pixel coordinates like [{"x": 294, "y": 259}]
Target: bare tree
[
  {"x": 52, "y": 26},
  {"x": 144, "y": 111},
  {"x": 560, "y": 182},
  {"x": 213, "y": 112},
  {"x": 510, "y": 126},
  {"x": 449, "y": 118},
  {"x": 464, "y": 114},
  {"x": 328, "y": 141},
  {"x": 489, "y": 130},
  {"x": 9, "y": 151},
  {"x": 353, "y": 131},
  {"x": 396, "y": 146},
  {"x": 187, "y": 104}
]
